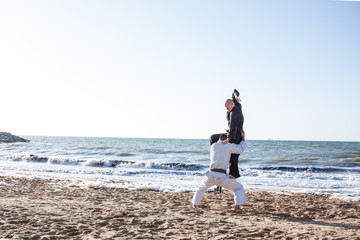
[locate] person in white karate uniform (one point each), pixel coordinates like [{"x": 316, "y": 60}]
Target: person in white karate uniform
[{"x": 220, "y": 153}]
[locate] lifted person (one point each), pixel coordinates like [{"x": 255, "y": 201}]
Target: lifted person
[{"x": 235, "y": 120}]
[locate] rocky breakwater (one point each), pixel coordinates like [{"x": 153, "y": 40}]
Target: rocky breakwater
[{"x": 9, "y": 138}]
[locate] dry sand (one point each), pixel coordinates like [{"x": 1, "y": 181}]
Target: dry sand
[{"x": 39, "y": 209}]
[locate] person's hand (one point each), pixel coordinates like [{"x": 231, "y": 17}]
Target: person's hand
[
  {"x": 243, "y": 135},
  {"x": 236, "y": 92},
  {"x": 235, "y": 95},
  {"x": 226, "y": 141}
]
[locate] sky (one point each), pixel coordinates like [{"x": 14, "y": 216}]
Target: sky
[{"x": 163, "y": 69}]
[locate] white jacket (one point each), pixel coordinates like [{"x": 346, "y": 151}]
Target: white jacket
[{"x": 220, "y": 153}]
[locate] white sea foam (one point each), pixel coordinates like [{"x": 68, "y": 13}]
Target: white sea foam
[
  {"x": 177, "y": 165},
  {"x": 93, "y": 162},
  {"x": 95, "y": 185}
]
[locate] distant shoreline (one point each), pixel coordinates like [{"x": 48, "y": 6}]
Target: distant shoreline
[{"x": 150, "y": 138}]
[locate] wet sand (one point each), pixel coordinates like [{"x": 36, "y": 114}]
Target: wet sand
[{"x": 41, "y": 209}]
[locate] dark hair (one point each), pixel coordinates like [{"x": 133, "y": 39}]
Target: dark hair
[{"x": 223, "y": 137}]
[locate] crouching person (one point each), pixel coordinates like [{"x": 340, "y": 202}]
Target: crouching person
[{"x": 220, "y": 153}]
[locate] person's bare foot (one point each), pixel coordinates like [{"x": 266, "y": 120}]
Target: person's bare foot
[{"x": 237, "y": 209}]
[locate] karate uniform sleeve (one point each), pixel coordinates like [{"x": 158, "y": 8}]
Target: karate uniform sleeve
[
  {"x": 234, "y": 99},
  {"x": 238, "y": 148}
]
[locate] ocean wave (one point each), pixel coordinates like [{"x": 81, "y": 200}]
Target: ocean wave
[
  {"x": 305, "y": 159},
  {"x": 279, "y": 159},
  {"x": 169, "y": 173},
  {"x": 350, "y": 167},
  {"x": 37, "y": 159},
  {"x": 153, "y": 165},
  {"x": 308, "y": 169},
  {"x": 103, "y": 163},
  {"x": 162, "y": 151},
  {"x": 355, "y": 160},
  {"x": 125, "y": 154},
  {"x": 345, "y": 156},
  {"x": 187, "y": 151}
]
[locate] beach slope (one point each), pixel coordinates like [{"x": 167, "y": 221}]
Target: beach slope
[{"x": 41, "y": 209}]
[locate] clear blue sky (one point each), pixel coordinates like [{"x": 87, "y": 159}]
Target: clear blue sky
[{"x": 165, "y": 68}]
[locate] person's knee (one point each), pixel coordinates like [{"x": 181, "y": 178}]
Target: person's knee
[
  {"x": 203, "y": 188},
  {"x": 237, "y": 185},
  {"x": 213, "y": 139}
]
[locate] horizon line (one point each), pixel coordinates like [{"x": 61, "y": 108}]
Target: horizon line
[{"x": 181, "y": 138}]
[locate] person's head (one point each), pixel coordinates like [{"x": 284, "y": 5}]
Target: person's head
[
  {"x": 229, "y": 105},
  {"x": 223, "y": 137}
]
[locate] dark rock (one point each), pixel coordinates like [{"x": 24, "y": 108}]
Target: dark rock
[{"x": 9, "y": 138}]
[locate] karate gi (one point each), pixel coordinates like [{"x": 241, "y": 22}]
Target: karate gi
[{"x": 219, "y": 159}]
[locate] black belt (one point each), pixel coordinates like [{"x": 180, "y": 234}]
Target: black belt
[{"x": 218, "y": 170}]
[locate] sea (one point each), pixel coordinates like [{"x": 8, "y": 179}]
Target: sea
[{"x": 178, "y": 165}]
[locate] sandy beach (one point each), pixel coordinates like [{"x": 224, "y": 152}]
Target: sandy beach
[{"x": 41, "y": 209}]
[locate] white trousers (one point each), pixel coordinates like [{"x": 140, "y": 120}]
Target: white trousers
[{"x": 222, "y": 180}]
